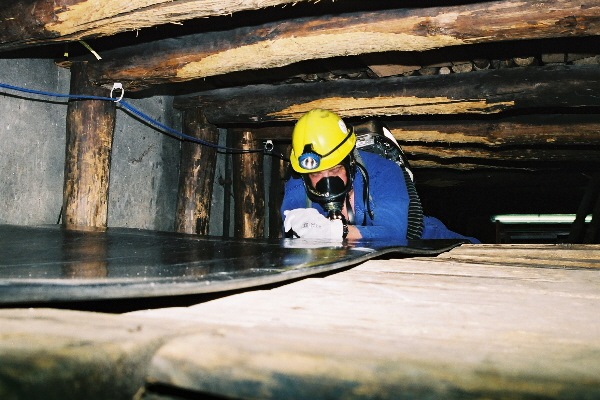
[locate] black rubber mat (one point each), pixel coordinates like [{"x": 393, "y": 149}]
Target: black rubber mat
[{"x": 48, "y": 263}]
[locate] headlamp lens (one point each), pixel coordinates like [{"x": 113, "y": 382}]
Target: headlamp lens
[{"x": 309, "y": 161}]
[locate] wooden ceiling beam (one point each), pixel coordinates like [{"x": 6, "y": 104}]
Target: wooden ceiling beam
[
  {"x": 548, "y": 141},
  {"x": 480, "y": 92},
  {"x": 279, "y": 43},
  {"x": 514, "y": 143},
  {"x": 23, "y": 24},
  {"x": 532, "y": 130},
  {"x": 518, "y": 158}
]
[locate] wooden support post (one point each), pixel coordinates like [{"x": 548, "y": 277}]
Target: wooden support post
[
  {"x": 196, "y": 175},
  {"x": 248, "y": 190},
  {"x": 278, "y": 173},
  {"x": 90, "y": 129},
  {"x": 226, "y": 182}
]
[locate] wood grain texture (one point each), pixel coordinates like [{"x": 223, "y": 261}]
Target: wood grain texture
[
  {"x": 196, "y": 175},
  {"x": 90, "y": 130},
  {"x": 403, "y": 329},
  {"x": 61, "y": 354},
  {"x": 41, "y": 22},
  {"x": 480, "y": 92},
  {"x": 533, "y": 130},
  {"x": 503, "y": 143},
  {"x": 286, "y": 42},
  {"x": 481, "y": 321},
  {"x": 248, "y": 189}
]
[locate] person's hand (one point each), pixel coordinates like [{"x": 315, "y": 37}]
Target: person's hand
[{"x": 309, "y": 223}]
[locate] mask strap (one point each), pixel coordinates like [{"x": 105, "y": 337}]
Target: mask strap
[
  {"x": 366, "y": 194},
  {"x": 350, "y": 211}
]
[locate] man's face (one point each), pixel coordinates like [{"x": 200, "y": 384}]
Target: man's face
[{"x": 338, "y": 171}]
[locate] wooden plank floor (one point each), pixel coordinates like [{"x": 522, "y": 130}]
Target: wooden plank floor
[{"x": 484, "y": 321}]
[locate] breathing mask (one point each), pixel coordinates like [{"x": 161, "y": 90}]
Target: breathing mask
[{"x": 330, "y": 191}]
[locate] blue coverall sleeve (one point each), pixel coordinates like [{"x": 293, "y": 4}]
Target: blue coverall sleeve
[
  {"x": 294, "y": 195},
  {"x": 435, "y": 229}
]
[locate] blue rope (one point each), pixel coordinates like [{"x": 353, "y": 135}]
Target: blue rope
[{"x": 136, "y": 112}]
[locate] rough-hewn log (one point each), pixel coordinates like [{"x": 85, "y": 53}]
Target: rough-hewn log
[
  {"x": 90, "y": 128},
  {"x": 278, "y": 172},
  {"x": 384, "y": 70},
  {"x": 480, "y": 64},
  {"x": 283, "y": 43},
  {"x": 196, "y": 174},
  {"x": 462, "y": 67},
  {"x": 248, "y": 190},
  {"x": 525, "y": 61},
  {"x": 479, "y": 92},
  {"x": 529, "y": 131},
  {"x": 510, "y": 142},
  {"x": 41, "y": 21},
  {"x": 419, "y": 155},
  {"x": 505, "y": 143}
]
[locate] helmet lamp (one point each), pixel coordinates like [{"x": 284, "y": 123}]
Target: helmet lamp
[{"x": 309, "y": 161}]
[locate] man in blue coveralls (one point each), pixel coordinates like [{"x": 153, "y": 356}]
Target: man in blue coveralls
[{"x": 344, "y": 193}]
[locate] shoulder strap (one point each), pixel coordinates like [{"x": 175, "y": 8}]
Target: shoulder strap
[
  {"x": 367, "y": 199},
  {"x": 386, "y": 146}
]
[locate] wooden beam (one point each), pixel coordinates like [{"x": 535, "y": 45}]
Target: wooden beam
[
  {"x": 286, "y": 42},
  {"x": 248, "y": 190},
  {"x": 528, "y": 130},
  {"x": 42, "y": 22},
  {"x": 512, "y": 142},
  {"x": 506, "y": 143},
  {"x": 516, "y": 321},
  {"x": 517, "y": 141},
  {"x": 479, "y": 92},
  {"x": 196, "y": 174},
  {"x": 422, "y": 155},
  {"x": 534, "y": 130},
  {"x": 90, "y": 129}
]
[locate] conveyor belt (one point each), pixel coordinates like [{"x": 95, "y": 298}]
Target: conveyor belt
[{"x": 48, "y": 263}]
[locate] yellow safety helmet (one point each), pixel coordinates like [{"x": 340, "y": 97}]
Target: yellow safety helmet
[{"x": 320, "y": 141}]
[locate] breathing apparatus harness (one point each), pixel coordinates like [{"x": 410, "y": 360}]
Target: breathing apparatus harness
[{"x": 374, "y": 137}]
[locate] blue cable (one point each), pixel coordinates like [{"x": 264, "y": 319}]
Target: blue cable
[{"x": 136, "y": 112}]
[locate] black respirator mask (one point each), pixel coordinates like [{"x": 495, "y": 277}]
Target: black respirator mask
[{"x": 330, "y": 191}]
